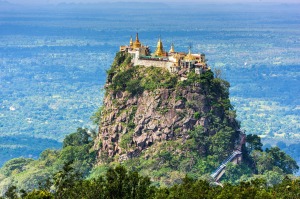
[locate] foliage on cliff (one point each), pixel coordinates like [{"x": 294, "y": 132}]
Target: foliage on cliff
[{"x": 135, "y": 79}]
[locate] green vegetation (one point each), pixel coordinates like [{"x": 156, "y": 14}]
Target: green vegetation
[
  {"x": 119, "y": 183},
  {"x": 136, "y": 79},
  {"x": 28, "y": 173},
  {"x": 126, "y": 139},
  {"x": 197, "y": 115},
  {"x": 272, "y": 159},
  {"x": 167, "y": 164}
]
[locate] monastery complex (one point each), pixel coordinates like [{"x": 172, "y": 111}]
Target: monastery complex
[{"x": 175, "y": 62}]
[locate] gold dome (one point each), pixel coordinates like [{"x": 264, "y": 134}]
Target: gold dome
[
  {"x": 189, "y": 56},
  {"x": 159, "y": 48},
  {"x": 137, "y": 43}
]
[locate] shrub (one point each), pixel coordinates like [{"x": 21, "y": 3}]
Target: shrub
[
  {"x": 126, "y": 140},
  {"x": 197, "y": 115}
]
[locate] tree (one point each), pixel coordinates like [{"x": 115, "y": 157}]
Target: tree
[
  {"x": 65, "y": 180},
  {"x": 11, "y": 192},
  {"x": 253, "y": 142},
  {"x": 274, "y": 158},
  {"x": 263, "y": 162},
  {"x": 234, "y": 172},
  {"x": 80, "y": 137},
  {"x": 200, "y": 140},
  {"x": 134, "y": 86},
  {"x": 222, "y": 143},
  {"x": 282, "y": 160},
  {"x": 273, "y": 177},
  {"x": 127, "y": 185},
  {"x": 116, "y": 182}
]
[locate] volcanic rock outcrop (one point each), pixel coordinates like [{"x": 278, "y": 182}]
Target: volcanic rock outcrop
[{"x": 132, "y": 122}]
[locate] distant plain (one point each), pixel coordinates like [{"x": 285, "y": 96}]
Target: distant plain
[{"x": 53, "y": 63}]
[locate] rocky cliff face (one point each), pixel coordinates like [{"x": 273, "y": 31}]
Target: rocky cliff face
[{"x": 131, "y": 123}]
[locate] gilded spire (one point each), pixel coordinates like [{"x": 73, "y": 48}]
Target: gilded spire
[
  {"x": 159, "y": 48},
  {"x": 189, "y": 56},
  {"x": 172, "y": 50},
  {"x": 137, "y": 43},
  {"x": 190, "y": 52},
  {"x": 131, "y": 42}
]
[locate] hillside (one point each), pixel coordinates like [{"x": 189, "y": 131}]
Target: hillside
[
  {"x": 154, "y": 123},
  {"x": 163, "y": 127},
  {"x": 148, "y": 113},
  {"x": 145, "y": 106}
]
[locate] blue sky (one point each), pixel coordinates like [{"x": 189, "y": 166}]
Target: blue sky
[{"x": 28, "y": 2}]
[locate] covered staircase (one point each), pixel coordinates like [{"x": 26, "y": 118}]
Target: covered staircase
[{"x": 234, "y": 157}]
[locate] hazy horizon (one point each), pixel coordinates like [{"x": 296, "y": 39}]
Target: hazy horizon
[{"x": 53, "y": 2}]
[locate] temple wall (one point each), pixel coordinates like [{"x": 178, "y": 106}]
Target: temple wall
[{"x": 148, "y": 63}]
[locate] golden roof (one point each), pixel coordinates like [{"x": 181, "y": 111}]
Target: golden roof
[
  {"x": 176, "y": 57},
  {"x": 189, "y": 56},
  {"x": 159, "y": 48},
  {"x": 172, "y": 49},
  {"x": 137, "y": 43}
]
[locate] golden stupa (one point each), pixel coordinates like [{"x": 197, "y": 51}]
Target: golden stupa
[
  {"x": 159, "y": 49},
  {"x": 137, "y": 43},
  {"x": 172, "y": 50}
]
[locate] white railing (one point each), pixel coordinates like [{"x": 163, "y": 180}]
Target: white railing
[{"x": 224, "y": 163}]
